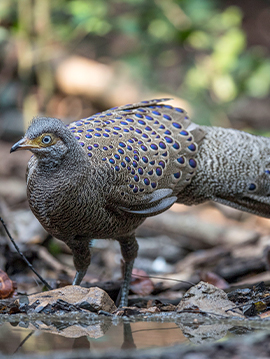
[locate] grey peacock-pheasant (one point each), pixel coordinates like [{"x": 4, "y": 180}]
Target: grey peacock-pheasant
[{"x": 101, "y": 176}]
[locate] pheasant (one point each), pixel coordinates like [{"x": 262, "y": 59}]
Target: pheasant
[{"x": 102, "y": 176}]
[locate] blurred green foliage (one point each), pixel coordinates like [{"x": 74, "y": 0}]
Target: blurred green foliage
[{"x": 195, "y": 49}]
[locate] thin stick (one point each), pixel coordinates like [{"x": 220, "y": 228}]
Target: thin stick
[
  {"x": 162, "y": 278},
  {"x": 23, "y": 256}
]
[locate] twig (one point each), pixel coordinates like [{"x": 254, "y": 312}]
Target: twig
[
  {"x": 163, "y": 278},
  {"x": 25, "y": 339},
  {"x": 23, "y": 256}
]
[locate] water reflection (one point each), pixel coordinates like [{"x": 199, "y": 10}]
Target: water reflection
[{"x": 98, "y": 334}]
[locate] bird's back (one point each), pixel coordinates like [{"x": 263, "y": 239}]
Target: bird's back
[{"x": 149, "y": 144}]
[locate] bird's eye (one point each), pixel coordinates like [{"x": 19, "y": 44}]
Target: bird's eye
[{"x": 47, "y": 140}]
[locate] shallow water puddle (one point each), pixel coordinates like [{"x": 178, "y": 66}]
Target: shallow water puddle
[
  {"x": 41, "y": 334},
  {"x": 141, "y": 335}
]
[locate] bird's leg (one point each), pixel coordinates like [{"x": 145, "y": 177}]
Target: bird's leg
[
  {"x": 81, "y": 257},
  {"x": 129, "y": 249}
]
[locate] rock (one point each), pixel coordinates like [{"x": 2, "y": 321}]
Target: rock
[
  {"x": 94, "y": 298},
  {"x": 206, "y": 298}
]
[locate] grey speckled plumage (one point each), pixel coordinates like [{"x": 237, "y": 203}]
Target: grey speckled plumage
[{"x": 100, "y": 177}]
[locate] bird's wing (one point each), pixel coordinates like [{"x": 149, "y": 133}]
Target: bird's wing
[{"x": 149, "y": 146}]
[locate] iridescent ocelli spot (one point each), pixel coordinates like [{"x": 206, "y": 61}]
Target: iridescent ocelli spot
[
  {"x": 153, "y": 185},
  {"x": 144, "y": 135},
  {"x": 144, "y": 148},
  {"x": 129, "y": 147},
  {"x": 152, "y": 163},
  {"x": 136, "y": 157},
  {"x": 136, "y": 178},
  {"x": 167, "y": 106},
  {"x": 127, "y": 159},
  {"x": 138, "y": 130},
  {"x": 140, "y": 171},
  {"x": 158, "y": 171},
  {"x": 125, "y": 130},
  {"x": 105, "y": 148},
  {"x": 89, "y": 154},
  {"x": 98, "y": 129},
  {"x": 154, "y": 146},
  {"x": 129, "y": 120},
  {"x": 105, "y": 135},
  {"x": 162, "y": 145},
  {"x": 156, "y": 113},
  {"x": 107, "y": 130},
  {"x": 150, "y": 172},
  {"x": 123, "y": 123},
  {"x": 168, "y": 139},
  {"x": 192, "y": 147},
  {"x": 146, "y": 181},
  {"x": 177, "y": 175},
  {"x": 72, "y": 128},
  {"x": 147, "y": 128},
  {"x": 167, "y": 132},
  {"x": 252, "y": 187},
  {"x": 141, "y": 109},
  {"x": 80, "y": 131},
  {"x": 88, "y": 136},
  {"x": 117, "y": 168},
  {"x": 134, "y": 164},
  {"x": 131, "y": 128},
  {"x": 138, "y": 115},
  {"x": 164, "y": 154},
  {"x": 104, "y": 158},
  {"x": 130, "y": 140},
  {"x": 96, "y": 145},
  {"x": 89, "y": 148},
  {"x": 97, "y": 134},
  {"x": 184, "y": 133},
  {"x": 192, "y": 163},
  {"x": 132, "y": 171},
  {"x": 111, "y": 160},
  {"x": 162, "y": 127},
  {"x": 121, "y": 151},
  {"x": 176, "y": 145},
  {"x": 115, "y": 133},
  {"x": 140, "y": 142},
  {"x": 131, "y": 185},
  {"x": 82, "y": 144},
  {"x": 145, "y": 159},
  {"x": 178, "y": 109},
  {"x": 167, "y": 117},
  {"x": 135, "y": 189},
  {"x": 176, "y": 125},
  {"x": 117, "y": 156},
  {"x": 77, "y": 137},
  {"x": 162, "y": 164},
  {"x": 181, "y": 160},
  {"x": 79, "y": 124},
  {"x": 123, "y": 164},
  {"x": 117, "y": 128},
  {"x": 141, "y": 122},
  {"x": 149, "y": 118}
]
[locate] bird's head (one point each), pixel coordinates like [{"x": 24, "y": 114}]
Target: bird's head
[{"x": 48, "y": 138}]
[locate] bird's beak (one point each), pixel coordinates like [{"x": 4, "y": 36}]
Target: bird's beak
[{"x": 23, "y": 144}]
